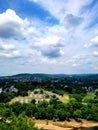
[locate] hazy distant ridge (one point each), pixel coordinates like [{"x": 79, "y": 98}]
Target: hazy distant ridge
[{"x": 41, "y": 75}]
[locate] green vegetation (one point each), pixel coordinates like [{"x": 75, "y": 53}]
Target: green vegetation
[
  {"x": 54, "y": 109},
  {"x": 89, "y": 97},
  {"x": 20, "y": 122},
  {"x": 65, "y": 98},
  {"x": 79, "y": 100}
]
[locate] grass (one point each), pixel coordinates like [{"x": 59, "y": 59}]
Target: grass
[
  {"x": 65, "y": 98},
  {"x": 89, "y": 96}
]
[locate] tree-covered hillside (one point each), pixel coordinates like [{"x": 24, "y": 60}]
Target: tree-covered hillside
[{"x": 79, "y": 98}]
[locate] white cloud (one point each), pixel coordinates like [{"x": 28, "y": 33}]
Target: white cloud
[
  {"x": 32, "y": 41},
  {"x": 60, "y": 9},
  {"x": 95, "y": 53},
  {"x": 94, "y": 41},
  {"x": 11, "y": 25},
  {"x": 7, "y": 46},
  {"x": 77, "y": 6},
  {"x": 49, "y": 40},
  {"x": 75, "y": 65},
  {"x": 55, "y": 7},
  {"x": 71, "y": 21},
  {"x": 12, "y": 54},
  {"x": 96, "y": 68},
  {"x": 47, "y": 60}
]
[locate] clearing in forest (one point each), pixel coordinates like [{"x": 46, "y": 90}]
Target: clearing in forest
[{"x": 65, "y": 98}]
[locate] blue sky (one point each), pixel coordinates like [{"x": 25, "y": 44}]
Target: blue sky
[{"x": 55, "y": 36}]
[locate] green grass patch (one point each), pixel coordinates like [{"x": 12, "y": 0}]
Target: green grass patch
[
  {"x": 89, "y": 96},
  {"x": 65, "y": 98}
]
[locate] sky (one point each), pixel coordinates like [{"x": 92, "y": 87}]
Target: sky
[{"x": 48, "y": 36}]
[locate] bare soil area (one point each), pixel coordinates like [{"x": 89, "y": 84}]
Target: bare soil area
[{"x": 65, "y": 125}]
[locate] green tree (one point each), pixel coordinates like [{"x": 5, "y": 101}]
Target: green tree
[
  {"x": 77, "y": 114},
  {"x": 30, "y": 109},
  {"x": 22, "y": 122},
  {"x": 16, "y": 108},
  {"x": 50, "y": 112},
  {"x": 60, "y": 114}
]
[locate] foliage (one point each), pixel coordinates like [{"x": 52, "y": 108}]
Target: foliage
[
  {"x": 20, "y": 122},
  {"x": 89, "y": 97},
  {"x": 80, "y": 100}
]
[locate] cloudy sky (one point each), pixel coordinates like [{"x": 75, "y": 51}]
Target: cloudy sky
[{"x": 48, "y": 36}]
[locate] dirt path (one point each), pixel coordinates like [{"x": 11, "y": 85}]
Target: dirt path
[
  {"x": 51, "y": 125},
  {"x": 64, "y": 125}
]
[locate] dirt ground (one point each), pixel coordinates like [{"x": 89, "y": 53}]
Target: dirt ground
[{"x": 64, "y": 125}]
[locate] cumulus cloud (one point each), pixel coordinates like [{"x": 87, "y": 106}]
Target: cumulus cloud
[
  {"x": 80, "y": 60},
  {"x": 95, "y": 41},
  {"x": 11, "y": 54},
  {"x": 49, "y": 40},
  {"x": 34, "y": 41},
  {"x": 75, "y": 65},
  {"x": 53, "y": 6},
  {"x": 95, "y": 53},
  {"x": 52, "y": 52},
  {"x": 6, "y": 46},
  {"x": 78, "y": 5},
  {"x": 71, "y": 21},
  {"x": 11, "y": 25},
  {"x": 60, "y": 8}
]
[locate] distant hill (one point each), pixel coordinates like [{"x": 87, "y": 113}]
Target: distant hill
[
  {"x": 51, "y": 76},
  {"x": 86, "y": 76}
]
